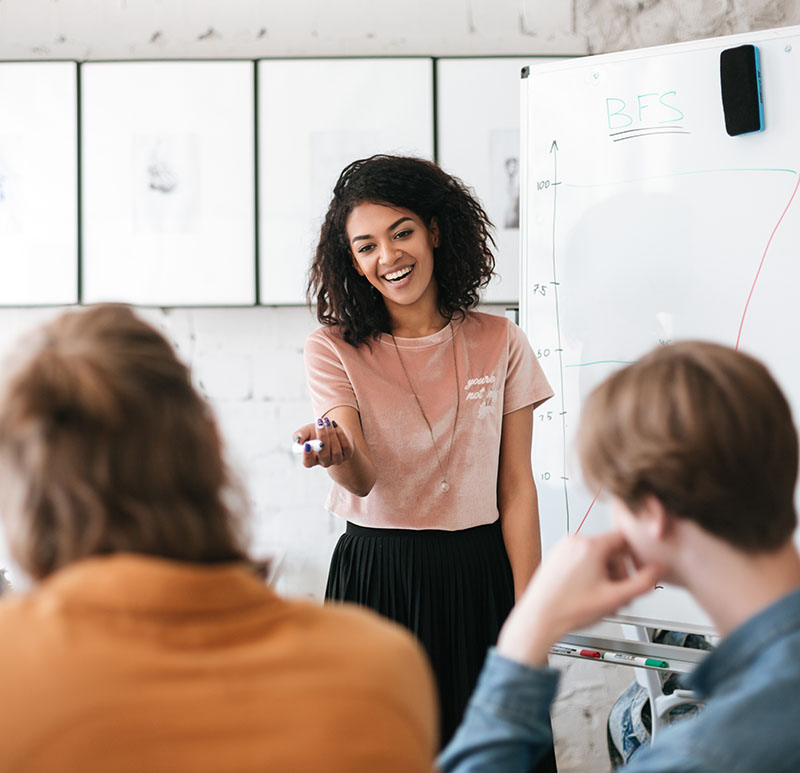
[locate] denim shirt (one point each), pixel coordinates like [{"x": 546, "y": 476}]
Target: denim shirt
[{"x": 751, "y": 721}]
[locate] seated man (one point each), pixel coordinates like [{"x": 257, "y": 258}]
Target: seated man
[
  {"x": 149, "y": 643},
  {"x": 695, "y": 446}
]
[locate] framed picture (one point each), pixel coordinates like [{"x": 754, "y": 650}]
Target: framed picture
[
  {"x": 478, "y": 119},
  {"x": 38, "y": 183},
  {"x": 315, "y": 117},
  {"x": 168, "y": 162}
]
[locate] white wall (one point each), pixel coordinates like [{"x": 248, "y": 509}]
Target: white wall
[
  {"x": 249, "y": 361},
  {"x": 146, "y": 29}
]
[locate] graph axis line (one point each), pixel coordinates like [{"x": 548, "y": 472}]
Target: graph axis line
[{"x": 554, "y": 151}]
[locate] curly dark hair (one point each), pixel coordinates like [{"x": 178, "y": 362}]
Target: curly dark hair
[{"x": 462, "y": 264}]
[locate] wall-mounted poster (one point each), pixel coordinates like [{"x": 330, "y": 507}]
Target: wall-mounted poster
[
  {"x": 478, "y": 116},
  {"x": 168, "y": 159},
  {"x": 315, "y": 117},
  {"x": 38, "y": 183}
]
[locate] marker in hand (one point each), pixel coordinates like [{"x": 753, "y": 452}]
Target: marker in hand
[{"x": 314, "y": 445}]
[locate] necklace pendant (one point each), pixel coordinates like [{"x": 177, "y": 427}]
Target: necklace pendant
[{"x": 444, "y": 486}]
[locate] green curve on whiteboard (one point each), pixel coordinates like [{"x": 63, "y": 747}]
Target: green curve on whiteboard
[
  {"x": 676, "y": 174},
  {"x": 601, "y": 362}
]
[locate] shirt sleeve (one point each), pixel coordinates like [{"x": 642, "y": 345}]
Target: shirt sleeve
[
  {"x": 506, "y": 727},
  {"x": 328, "y": 381},
  {"x": 665, "y": 758},
  {"x": 526, "y": 383}
]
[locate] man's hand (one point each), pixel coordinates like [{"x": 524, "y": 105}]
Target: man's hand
[{"x": 581, "y": 580}]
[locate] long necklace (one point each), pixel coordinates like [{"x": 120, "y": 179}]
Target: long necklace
[{"x": 444, "y": 485}]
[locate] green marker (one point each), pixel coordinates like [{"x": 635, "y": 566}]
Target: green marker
[{"x": 633, "y": 660}]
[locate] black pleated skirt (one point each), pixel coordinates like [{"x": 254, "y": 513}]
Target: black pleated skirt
[{"x": 452, "y": 589}]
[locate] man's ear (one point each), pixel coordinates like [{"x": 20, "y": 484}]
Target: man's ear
[{"x": 655, "y": 517}]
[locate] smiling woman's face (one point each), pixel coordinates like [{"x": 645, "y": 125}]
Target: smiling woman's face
[{"x": 393, "y": 249}]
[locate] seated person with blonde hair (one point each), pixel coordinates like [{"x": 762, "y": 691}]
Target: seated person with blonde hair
[
  {"x": 148, "y": 643},
  {"x": 696, "y": 447}
]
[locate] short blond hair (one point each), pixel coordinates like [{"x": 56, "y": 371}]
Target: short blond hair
[
  {"x": 108, "y": 447},
  {"x": 707, "y": 431}
]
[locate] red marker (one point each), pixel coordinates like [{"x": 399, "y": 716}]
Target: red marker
[{"x": 564, "y": 649}]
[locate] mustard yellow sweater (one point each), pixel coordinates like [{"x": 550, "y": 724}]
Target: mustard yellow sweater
[{"x": 131, "y": 663}]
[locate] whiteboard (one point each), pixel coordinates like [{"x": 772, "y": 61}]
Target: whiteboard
[{"x": 644, "y": 223}]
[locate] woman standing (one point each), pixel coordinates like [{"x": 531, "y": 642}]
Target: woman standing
[{"x": 425, "y": 413}]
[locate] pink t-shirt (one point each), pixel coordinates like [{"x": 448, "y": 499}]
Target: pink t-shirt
[{"x": 497, "y": 373}]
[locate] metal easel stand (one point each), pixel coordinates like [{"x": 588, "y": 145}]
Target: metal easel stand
[
  {"x": 650, "y": 679},
  {"x": 637, "y": 643}
]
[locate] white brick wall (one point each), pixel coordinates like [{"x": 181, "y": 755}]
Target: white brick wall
[
  {"x": 147, "y": 29},
  {"x": 249, "y": 363}
]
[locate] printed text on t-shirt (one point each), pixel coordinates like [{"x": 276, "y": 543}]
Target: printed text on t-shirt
[{"x": 481, "y": 389}]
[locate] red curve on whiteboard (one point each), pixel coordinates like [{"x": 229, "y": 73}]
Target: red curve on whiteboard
[
  {"x": 763, "y": 258},
  {"x": 744, "y": 313},
  {"x": 587, "y": 512}
]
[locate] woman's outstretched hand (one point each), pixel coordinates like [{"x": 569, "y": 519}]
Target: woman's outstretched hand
[{"x": 335, "y": 443}]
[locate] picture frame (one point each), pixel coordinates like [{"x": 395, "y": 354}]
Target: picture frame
[
  {"x": 341, "y": 110},
  {"x": 38, "y": 183},
  {"x": 168, "y": 171},
  {"x": 481, "y": 147}
]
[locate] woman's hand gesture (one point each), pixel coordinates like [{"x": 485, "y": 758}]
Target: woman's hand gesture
[{"x": 336, "y": 444}]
